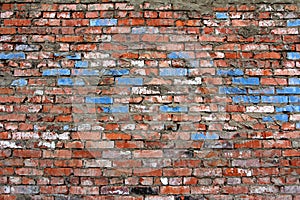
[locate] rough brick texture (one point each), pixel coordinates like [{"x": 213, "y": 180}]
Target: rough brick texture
[{"x": 105, "y": 100}]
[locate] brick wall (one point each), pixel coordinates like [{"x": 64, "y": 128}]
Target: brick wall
[{"x": 155, "y": 102}]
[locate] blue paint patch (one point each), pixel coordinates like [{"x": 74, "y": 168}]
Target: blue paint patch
[
  {"x": 274, "y": 99},
  {"x": 298, "y": 125},
  {"x": 70, "y": 82},
  {"x": 293, "y": 55},
  {"x": 120, "y": 109},
  {"x": 294, "y": 99},
  {"x": 288, "y": 90},
  {"x": 66, "y": 128},
  {"x": 116, "y": 72},
  {"x": 246, "y": 99},
  {"x": 269, "y": 90},
  {"x": 19, "y": 82},
  {"x": 106, "y": 109},
  {"x": 173, "y": 72},
  {"x": 230, "y": 72},
  {"x": 103, "y": 22},
  {"x": 178, "y": 55},
  {"x": 232, "y": 90},
  {"x": 294, "y": 81},
  {"x": 267, "y": 119},
  {"x": 9, "y": 56},
  {"x": 288, "y": 108},
  {"x": 245, "y": 81},
  {"x": 293, "y": 22},
  {"x": 116, "y": 109},
  {"x": 74, "y": 56},
  {"x": 204, "y": 136},
  {"x": 166, "y": 108},
  {"x": 100, "y": 100},
  {"x": 85, "y": 72},
  {"x": 56, "y": 72},
  {"x": 222, "y": 15},
  {"x": 129, "y": 81},
  {"x": 144, "y": 30},
  {"x": 281, "y": 117},
  {"x": 81, "y": 64}
]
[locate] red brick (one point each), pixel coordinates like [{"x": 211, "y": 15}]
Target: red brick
[
  {"x": 249, "y": 144},
  {"x": 54, "y": 189},
  {"x": 174, "y": 190},
  {"x": 17, "y": 22},
  {"x": 27, "y": 153},
  {"x": 291, "y": 153},
  {"x": 273, "y": 81},
  {"x": 58, "y": 171},
  {"x": 268, "y": 55}
]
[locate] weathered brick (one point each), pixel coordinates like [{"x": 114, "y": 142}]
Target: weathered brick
[{"x": 103, "y": 22}]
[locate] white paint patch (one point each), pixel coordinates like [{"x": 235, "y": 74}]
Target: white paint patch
[
  {"x": 164, "y": 181},
  {"x": 143, "y": 90},
  {"x": 39, "y": 92},
  {"x": 50, "y": 145},
  {"x": 9, "y": 144},
  {"x": 138, "y": 63},
  {"x": 260, "y": 109},
  {"x": 196, "y": 81}
]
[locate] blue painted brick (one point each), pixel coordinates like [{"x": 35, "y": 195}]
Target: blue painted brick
[
  {"x": 245, "y": 81},
  {"x": 173, "y": 72},
  {"x": 8, "y": 56},
  {"x": 293, "y": 22},
  {"x": 76, "y": 56},
  {"x": 178, "y": 55},
  {"x": 269, "y": 90},
  {"x": 281, "y": 117},
  {"x": 294, "y": 81},
  {"x": 293, "y": 55},
  {"x": 298, "y": 125},
  {"x": 55, "y": 72},
  {"x": 274, "y": 99},
  {"x": 222, "y": 15},
  {"x": 70, "y": 82},
  {"x": 230, "y": 72},
  {"x": 232, "y": 90},
  {"x": 85, "y": 72},
  {"x": 246, "y": 99},
  {"x": 100, "y": 100},
  {"x": 129, "y": 81},
  {"x": 106, "y": 109},
  {"x": 166, "y": 108},
  {"x": 144, "y": 30},
  {"x": 204, "y": 136},
  {"x": 288, "y": 90},
  {"x": 288, "y": 108},
  {"x": 294, "y": 99},
  {"x": 120, "y": 109},
  {"x": 81, "y": 64},
  {"x": 19, "y": 82},
  {"x": 116, "y": 72},
  {"x": 66, "y": 128},
  {"x": 267, "y": 119},
  {"x": 103, "y": 22},
  {"x": 116, "y": 109}
]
